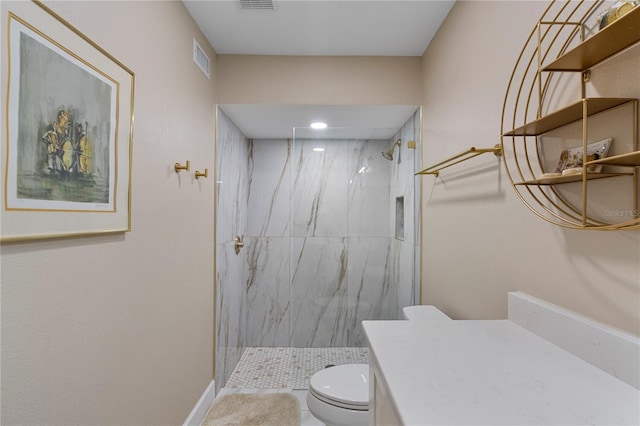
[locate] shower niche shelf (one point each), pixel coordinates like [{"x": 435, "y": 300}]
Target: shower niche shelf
[{"x": 527, "y": 162}]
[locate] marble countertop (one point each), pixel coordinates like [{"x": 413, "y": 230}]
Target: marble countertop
[{"x": 491, "y": 373}]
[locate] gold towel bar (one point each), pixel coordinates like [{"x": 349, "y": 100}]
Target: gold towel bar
[{"x": 468, "y": 154}]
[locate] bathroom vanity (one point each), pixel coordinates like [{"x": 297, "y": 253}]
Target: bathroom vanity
[{"x": 489, "y": 372}]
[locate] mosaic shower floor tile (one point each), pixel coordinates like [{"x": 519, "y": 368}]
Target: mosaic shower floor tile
[{"x": 288, "y": 368}]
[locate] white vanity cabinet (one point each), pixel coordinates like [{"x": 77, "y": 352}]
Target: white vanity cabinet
[{"x": 381, "y": 409}]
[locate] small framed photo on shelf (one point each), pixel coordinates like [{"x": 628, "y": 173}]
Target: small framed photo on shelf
[{"x": 571, "y": 159}]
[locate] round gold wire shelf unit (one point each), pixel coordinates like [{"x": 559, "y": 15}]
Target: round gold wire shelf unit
[{"x": 535, "y": 104}]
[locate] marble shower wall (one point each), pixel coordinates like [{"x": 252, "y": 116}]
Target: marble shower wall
[
  {"x": 268, "y": 245},
  {"x": 340, "y": 240},
  {"x": 329, "y": 230},
  {"x": 231, "y": 220}
]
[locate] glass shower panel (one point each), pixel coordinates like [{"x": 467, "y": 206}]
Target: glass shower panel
[{"x": 345, "y": 266}]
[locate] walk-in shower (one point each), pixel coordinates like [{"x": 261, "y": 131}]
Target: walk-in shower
[{"x": 321, "y": 254}]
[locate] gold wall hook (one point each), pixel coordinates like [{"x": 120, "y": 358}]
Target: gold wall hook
[
  {"x": 177, "y": 167},
  {"x": 204, "y": 175}
]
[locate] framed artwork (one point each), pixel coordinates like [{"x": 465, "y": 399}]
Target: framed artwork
[
  {"x": 572, "y": 158},
  {"x": 68, "y": 130}
]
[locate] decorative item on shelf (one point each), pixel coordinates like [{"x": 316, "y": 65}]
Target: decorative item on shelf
[
  {"x": 572, "y": 171},
  {"x": 549, "y": 175},
  {"x": 204, "y": 175},
  {"x": 178, "y": 167},
  {"x": 571, "y": 160},
  {"x": 616, "y": 11}
]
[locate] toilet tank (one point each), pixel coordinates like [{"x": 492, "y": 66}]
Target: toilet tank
[{"x": 423, "y": 312}]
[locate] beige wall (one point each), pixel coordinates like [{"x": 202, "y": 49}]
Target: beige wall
[
  {"x": 119, "y": 329},
  {"x": 125, "y": 336},
  {"x": 479, "y": 240},
  {"x": 318, "y": 80}
]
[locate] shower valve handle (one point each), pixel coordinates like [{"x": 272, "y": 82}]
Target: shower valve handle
[{"x": 238, "y": 243}]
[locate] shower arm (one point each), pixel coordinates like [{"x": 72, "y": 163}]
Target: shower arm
[{"x": 468, "y": 154}]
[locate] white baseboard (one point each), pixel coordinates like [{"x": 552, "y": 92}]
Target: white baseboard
[{"x": 202, "y": 406}]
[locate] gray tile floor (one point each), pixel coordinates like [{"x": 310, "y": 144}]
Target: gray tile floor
[{"x": 262, "y": 370}]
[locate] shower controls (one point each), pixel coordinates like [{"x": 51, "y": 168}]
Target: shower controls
[{"x": 238, "y": 243}]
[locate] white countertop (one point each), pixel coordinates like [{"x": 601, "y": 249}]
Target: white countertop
[{"x": 491, "y": 373}]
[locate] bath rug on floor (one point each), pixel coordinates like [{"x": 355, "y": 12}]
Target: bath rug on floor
[{"x": 254, "y": 409}]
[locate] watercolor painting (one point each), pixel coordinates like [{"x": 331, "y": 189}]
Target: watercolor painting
[{"x": 65, "y": 139}]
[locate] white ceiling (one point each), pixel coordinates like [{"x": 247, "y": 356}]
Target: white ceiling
[
  {"x": 329, "y": 27},
  {"x": 312, "y": 27}
]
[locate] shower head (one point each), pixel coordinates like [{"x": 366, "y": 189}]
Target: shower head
[{"x": 388, "y": 154}]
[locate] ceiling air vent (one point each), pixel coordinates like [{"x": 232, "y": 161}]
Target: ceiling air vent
[
  {"x": 201, "y": 59},
  {"x": 257, "y": 4}
]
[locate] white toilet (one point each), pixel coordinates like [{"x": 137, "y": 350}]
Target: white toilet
[{"x": 339, "y": 395}]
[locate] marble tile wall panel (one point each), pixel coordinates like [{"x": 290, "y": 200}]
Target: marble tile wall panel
[
  {"x": 369, "y": 185},
  {"x": 405, "y": 254},
  {"x": 269, "y": 187},
  {"x": 319, "y": 304},
  {"x": 414, "y": 123},
  {"x": 232, "y": 180},
  {"x": 231, "y": 219},
  {"x": 402, "y": 176},
  {"x": 319, "y": 193},
  {"x": 417, "y": 272},
  {"x": 403, "y": 272},
  {"x": 267, "y": 288},
  {"x": 369, "y": 287},
  {"x": 230, "y": 311}
]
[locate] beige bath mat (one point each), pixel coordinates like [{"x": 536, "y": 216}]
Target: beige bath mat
[{"x": 254, "y": 409}]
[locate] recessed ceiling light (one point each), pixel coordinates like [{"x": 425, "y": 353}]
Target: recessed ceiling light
[
  {"x": 318, "y": 149},
  {"x": 318, "y": 125}
]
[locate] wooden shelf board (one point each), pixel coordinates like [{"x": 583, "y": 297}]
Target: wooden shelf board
[
  {"x": 567, "y": 115},
  {"x": 607, "y": 42}
]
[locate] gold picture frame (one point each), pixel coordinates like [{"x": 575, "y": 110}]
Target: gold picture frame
[{"x": 67, "y": 143}]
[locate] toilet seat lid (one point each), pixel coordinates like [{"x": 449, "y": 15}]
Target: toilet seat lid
[{"x": 346, "y": 384}]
